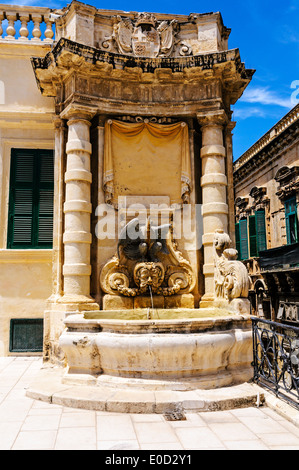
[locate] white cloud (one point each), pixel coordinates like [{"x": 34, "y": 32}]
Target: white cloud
[
  {"x": 245, "y": 113},
  {"x": 265, "y": 96}
]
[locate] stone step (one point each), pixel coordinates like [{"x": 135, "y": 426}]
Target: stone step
[{"x": 48, "y": 387}]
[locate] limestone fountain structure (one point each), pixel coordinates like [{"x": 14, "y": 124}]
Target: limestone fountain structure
[{"x": 144, "y": 146}]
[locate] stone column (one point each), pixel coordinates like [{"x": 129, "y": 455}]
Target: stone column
[
  {"x": 214, "y": 191},
  {"x": 230, "y": 180},
  {"x": 77, "y": 207}
]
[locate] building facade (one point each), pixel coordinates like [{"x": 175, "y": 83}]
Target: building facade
[
  {"x": 266, "y": 205},
  {"x": 117, "y": 106}
]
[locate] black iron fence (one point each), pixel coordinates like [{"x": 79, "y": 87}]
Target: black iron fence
[{"x": 276, "y": 358}]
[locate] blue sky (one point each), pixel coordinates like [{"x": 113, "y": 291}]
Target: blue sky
[{"x": 266, "y": 32}]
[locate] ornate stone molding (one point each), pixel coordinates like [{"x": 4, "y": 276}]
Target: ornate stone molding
[
  {"x": 147, "y": 265},
  {"x": 288, "y": 179},
  {"x": 144, "y": 36},
  {"x": 258, "y": 194}
]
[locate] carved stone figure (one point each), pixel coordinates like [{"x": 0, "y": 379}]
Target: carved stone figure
[
  {"x": 143, "y": 242},
  {"x": 231, "y": 276}
]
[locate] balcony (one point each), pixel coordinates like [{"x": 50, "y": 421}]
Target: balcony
[
  {"x": 25, "y": 24},
  {"x": 283, "y": 258}
]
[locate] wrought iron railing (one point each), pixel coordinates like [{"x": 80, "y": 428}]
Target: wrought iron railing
[{"x": 276, "y": 358}]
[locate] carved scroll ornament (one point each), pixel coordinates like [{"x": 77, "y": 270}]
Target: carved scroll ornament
[{"x": 139, "y": 269}]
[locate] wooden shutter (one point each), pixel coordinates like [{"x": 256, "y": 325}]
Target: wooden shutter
[
  {"x": 243, "y": 239},
  {"x": 261, "y": 230},
  {"x": 30, "y": 217},
  {"x": 46, "y": 199},
  {"x": 237, "y": 234},
  {"x": 291, "y": 220},
  {"x": 252, "y": 236}
]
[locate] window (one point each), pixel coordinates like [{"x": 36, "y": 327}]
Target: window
[
  {"x": 257, "y": 233},
  {"x": 242, "y": 239},
  {"x": 30, "y": 216},
  {"x": 26, "y": 335},
  {"x": 291, "y": 220}
]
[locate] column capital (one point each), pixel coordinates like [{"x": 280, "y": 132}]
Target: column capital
[
  {"x": 77, "y": 111},
  {"x": 58, "y": 122},
  {"x": 212, "y": 118}
]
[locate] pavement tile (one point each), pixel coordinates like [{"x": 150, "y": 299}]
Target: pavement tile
[
  {"x": 150, "y": 433},
  {"x": 8, "y": 433},
  {"x": 146, "y": 418},
  {"x": 262, "y": 424},
  {"x": 80, "y": 438},
  {"x": 232, "y": 431},
  {"x": 199, "y": 438},
  {"x": 162, "y": 446},
  {"x": 113, "y": 428},
  {"x": 35, "y": 440},
  {"x": 218, "y": 417},
  {"x": 76, "y": 419},
  {"x": 279, "y": 439},
  {"x": 192, "y": 419},
  {"x": 118, "y": 445},
  {"x": 41, "y": 422},
  {"x": 254, "y": 444}
]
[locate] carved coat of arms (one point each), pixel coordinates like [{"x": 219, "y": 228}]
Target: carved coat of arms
[{"x": 146, "y": 37}]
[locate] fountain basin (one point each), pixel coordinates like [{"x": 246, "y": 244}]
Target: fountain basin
[{"x": 206, "y": 351}]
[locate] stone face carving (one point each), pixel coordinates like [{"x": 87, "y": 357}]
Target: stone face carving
[
  {"x": 148, "y": 263},
  {"x": 231, "y": 276},
  {"x": 144, "y": 37}
]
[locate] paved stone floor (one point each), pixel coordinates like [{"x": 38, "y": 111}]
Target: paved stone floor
[{"x": 27, "y": 424}]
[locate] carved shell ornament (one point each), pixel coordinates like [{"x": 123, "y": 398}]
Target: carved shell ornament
[
  {"x": 144, "y": 37},
  {"x": 149, "y": 262}
]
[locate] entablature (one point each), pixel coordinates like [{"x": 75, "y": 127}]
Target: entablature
[{"x": 115, "y": 79}]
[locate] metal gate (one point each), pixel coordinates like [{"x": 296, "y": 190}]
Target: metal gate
[{"x": 276, "y": 358}]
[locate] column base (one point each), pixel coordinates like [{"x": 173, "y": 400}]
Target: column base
[
  {"x": 78, "y": 303},
  {"x": 207, "y": 300}
]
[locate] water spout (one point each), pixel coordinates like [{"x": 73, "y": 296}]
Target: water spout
[{"x": 152, "y": 303}]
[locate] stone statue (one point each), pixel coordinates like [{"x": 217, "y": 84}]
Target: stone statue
[{"x": 231, "y": 276}]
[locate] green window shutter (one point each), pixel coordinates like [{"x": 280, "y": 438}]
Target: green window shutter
[
  {"x": 261, "y": 230},
  {"x": 44, "y": 231},
  {"x": 291, "y": 220},
  {"x": 237, "y": 233},
  {"x": 243, "y": 239},
  {"x": 30, "y": 215},
  {"x": 252, "y": 236}
]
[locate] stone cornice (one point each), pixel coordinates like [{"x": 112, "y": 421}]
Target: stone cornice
[
  {"x": 275, "y": 134},
  {"x": 52, "y": 67},
  {"x": 269, "y": 151}
]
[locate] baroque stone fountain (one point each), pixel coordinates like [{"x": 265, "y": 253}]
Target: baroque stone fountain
[
  {"x": 143, "y": 112},
  {"x": 157, "y": 348}
]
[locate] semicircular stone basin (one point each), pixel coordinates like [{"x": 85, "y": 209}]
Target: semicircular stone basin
[{"x": 158, "y": 349}]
